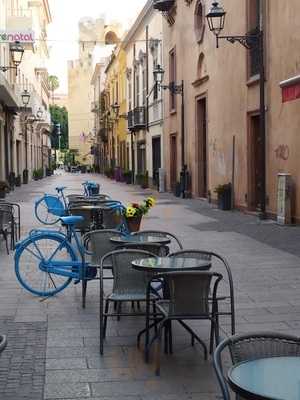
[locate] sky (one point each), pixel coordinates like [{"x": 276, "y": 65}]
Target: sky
[{"x": 63, "y": 31}]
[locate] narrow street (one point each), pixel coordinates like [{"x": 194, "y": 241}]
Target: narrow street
[{"x": 53, "y": 350}]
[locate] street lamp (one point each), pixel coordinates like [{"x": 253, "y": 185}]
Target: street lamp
[
  {"x": 158, "y": 74},
  {"x": 16, "y": 51},
  {"x": 116, "y": 108},
  {"x": 251, "y": 41},
  {"x": 25, "y": 98},
  {"x": 175, "y": 89},
  {"x": 39, "y": 113}
]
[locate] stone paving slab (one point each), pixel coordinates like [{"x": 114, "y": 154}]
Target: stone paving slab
[{"x": 63, "y": 342}]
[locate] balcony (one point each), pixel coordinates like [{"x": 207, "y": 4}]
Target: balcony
[
  {"x": 137, "y": 119},
  {"x": 163, "y": 5}
]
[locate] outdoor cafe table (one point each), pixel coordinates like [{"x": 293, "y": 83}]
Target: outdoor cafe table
[
  {"x": 140, "y": 239},
  {"x": 168, "y": 264},
  {"x": 165, "y": 264},
  {"x": 274, "y": 378}
]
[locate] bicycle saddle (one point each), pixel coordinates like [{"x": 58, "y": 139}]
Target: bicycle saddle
[
  {"x": 72, "y": 219},
  {"x": 60, "y": 188}
]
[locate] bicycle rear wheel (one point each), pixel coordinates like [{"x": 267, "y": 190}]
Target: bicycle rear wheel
[
  {"x": 43, "y": 213},
  {"x": 35, "y": 252}
]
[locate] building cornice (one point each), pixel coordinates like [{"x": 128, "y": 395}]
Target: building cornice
[{"x": 148, "y": 8}]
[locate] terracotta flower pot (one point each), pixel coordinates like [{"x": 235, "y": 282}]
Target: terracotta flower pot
[{"x": 134, "y": 223}]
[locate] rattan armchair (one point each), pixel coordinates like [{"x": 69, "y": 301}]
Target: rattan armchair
[
  {"x": 251, "y": 346},
  {"x": 189, "y": 294},
  {"x": 129, "y": 286},
  {"x": 224, "y": 265}
]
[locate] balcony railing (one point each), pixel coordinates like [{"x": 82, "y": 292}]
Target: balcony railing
[
  {"x": 163, "y": 5},
  {"x": 137, "y": 119}
]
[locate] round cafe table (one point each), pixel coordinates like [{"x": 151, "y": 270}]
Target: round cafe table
[
  {"x": 168, "y": 264},
  {"x": 274, "y": 378},
  {"x": 139, "y": 239}
]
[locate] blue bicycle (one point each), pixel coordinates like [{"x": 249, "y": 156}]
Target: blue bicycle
[
  {"x": 50, "y": 208},
  {"x": 46, "y": 261}
]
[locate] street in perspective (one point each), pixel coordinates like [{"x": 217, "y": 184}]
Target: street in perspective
[{"x": 149, "y": 200}]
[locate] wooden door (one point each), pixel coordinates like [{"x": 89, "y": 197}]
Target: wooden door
[
  {"x": 256, "y": 164},
  {"x": 201, "y": 149},
  {"x": 173, "y": 161},
  {"x": 156, "y": 159}
]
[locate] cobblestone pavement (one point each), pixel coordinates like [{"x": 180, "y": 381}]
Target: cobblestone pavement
[{"x": 53, "y": 350}]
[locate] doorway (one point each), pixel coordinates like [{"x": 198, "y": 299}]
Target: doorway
[
  {"x": 156, "y": 159},
  {"x": 255, "y": 163},
  {"x": 201, "y": 148},
  {"x": 173, "y": 161}
]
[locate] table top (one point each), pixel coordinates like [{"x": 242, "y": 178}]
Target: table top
[
  {"x": 168, "y": 264},
  {"x": 140, "y": 239},
  {"x": 274, "y": 378}
]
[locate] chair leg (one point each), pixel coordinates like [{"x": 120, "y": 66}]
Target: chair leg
[
  {"x": 170, "y": 338},
  {"x": 158, "y": 349},
  {"x": 4, "y": 233},
  {"x": 105, "y": 318},
  {"x": 166, "y": 338},
  {"x": 212, "y": 333},
  {"x": 84, "y": 287}
]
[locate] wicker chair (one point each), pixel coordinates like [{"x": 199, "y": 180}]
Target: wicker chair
[
  {"x": 6, "y": 227},
  {"x": 129, "y": 286},
  {"x": 87, "y": 223},
  {"x": 3, "y": 343},
  {"x": 111, "y": 217},
  {"x": 189, "y": 294},
  {"x": 210, "y": 256},
  {"x": 175, "y": 242},
  {"x": 15, "y": 209},
  {"x": 251, "y": 346}
]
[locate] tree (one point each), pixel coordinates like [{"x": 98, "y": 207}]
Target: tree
[
  {"x": 54, "y": 84},
  {"x": 59, "y": 119}
]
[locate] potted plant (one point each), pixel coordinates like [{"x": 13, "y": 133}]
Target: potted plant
[
  {"x": 4, "y": 188},
  {"x": 11, "y": 180},
  {"x": 25, "y": 176},
  {"x": 127, "y": 176},
  {"x": 134, "y": 213},
  {"x": 35, "y": 174},
  {"x": 18, "y": 181},
  {"x": 224, "y": 196}
]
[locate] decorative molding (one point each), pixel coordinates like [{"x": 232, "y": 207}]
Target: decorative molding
[
  {"x": 188, "y": 2},
  {"x": 153, "y": 45},
  {"x": 200, "y": 81},
  {"x": 128, "y": 73},
  {"x": 170, "y": 15}
]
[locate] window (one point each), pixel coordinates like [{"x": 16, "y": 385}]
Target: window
[
  {"x": 129, "y": 94},
  {"x": 144, "y": 84},
  {"x": 155, "y": 90},
  {"x": 199, "y": 20},
  {"x": 253, "y": 7},
  {"x": 200, "y": 67},
  {"x": 172, "y": 75}
]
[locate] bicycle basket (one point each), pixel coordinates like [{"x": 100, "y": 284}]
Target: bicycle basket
[{"x": 55, "y": 206}]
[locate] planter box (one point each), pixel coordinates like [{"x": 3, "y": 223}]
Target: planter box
[{"x": 134, "y": 223}]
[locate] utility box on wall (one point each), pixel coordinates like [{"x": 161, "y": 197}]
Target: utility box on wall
[{"x": 284, "y": 191}]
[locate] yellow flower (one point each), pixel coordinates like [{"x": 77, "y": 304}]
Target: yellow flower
[
  {"x": 151, "y": 201},
  {"x": 130, "y": 212}
]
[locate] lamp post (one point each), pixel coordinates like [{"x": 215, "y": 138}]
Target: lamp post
[
  {"x": 16, "y": 51},
  {"x": 175, "y": 89},
  {"x": 255, "y": 39},
  {"x": 25, "y": 96}
]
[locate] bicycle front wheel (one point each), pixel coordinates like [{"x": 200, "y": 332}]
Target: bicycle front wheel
[
  {"x": 43, "y": 214},
  {"x": 37, "y": 251}
]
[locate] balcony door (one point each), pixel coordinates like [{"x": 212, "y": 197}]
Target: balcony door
[
  {"x": 156, "y": 159},
  {"x": 201, "y": 149}
]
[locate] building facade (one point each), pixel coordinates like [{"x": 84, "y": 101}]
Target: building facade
[
  {"x": 24, "y": 131},
  {"x": 222, "y": 138},
  {"x": 92, "y": 33},
  {"x": 143, "y": 46}
]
